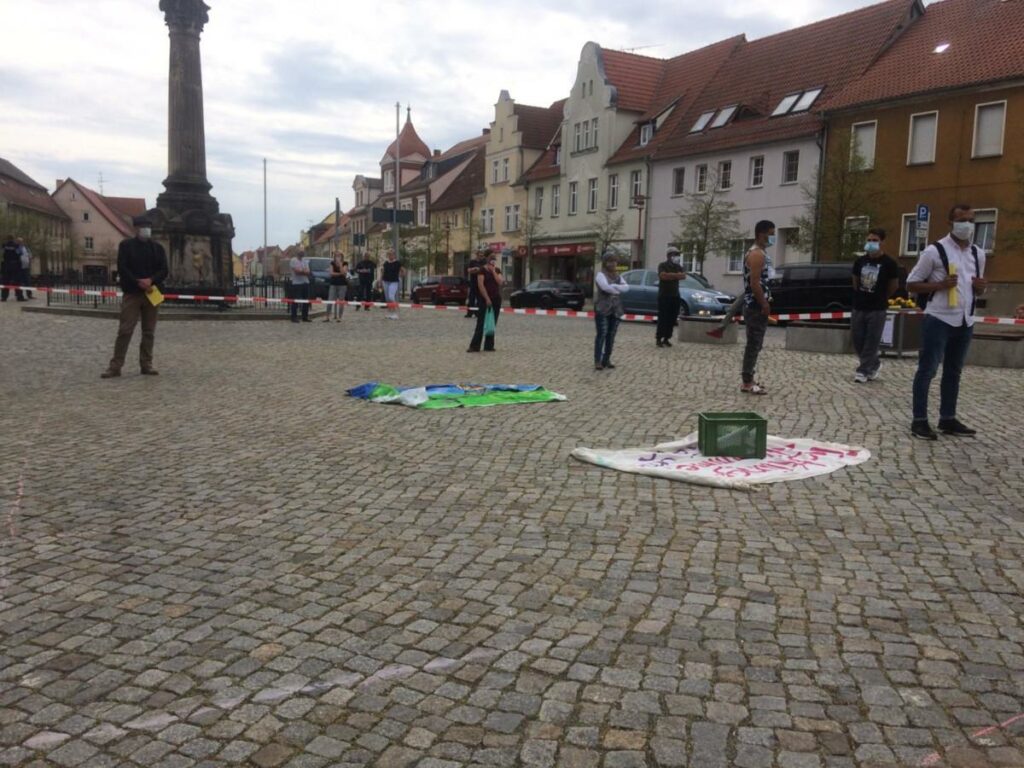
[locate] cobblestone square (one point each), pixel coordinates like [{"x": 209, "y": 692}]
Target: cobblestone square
[{"x": 232, "y": 563}]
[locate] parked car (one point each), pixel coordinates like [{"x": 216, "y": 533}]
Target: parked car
[
  {"x": 822, "y": 287},
  {"x": 698, "y": 296},
  {"x": 549, "y": 294},
  {"x": 441, "y": 289},
  {"x": 319, "y": 277}
]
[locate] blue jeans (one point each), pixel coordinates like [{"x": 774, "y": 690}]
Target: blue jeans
[
  {"x": 940, "y": 343},
  {"x": 607, "y": 325}
]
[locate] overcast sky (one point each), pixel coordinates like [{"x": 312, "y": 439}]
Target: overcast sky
[{"x": 311, "y": 84}]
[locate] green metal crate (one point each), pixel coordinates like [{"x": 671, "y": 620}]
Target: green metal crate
[{"x": 742, "y": 435}]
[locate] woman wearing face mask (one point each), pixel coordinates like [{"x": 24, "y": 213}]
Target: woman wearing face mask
[
  {"x": 488, "y": 284},
  {"x": 876, "y": 277},
  {"x": 607, "y": 310}
]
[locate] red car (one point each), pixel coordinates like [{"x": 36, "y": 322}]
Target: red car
[{"x": 441, "y": 289}]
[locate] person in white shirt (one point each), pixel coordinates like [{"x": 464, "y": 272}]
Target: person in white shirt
[
  {"x": 950, "y": 273},
  {"x": 300, "y": 285},
  {"x": 607, "y": 310}
]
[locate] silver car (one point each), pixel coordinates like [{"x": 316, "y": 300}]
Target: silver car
[{"x": 698, "y": 296}]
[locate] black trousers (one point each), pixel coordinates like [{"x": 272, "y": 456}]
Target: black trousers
[
  {"x": 668, "y": 314},
  {"x": 300, "y": 292},
  {"x": 478, "y": 332},
  {"x": 365, "y": 289}
]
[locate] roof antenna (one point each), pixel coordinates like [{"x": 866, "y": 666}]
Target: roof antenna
[
  {"x": 101, "y": 182},
  {"x": 641, "y": 47}
]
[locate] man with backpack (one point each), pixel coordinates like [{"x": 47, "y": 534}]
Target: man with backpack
[{"x": 948, "y": 276}]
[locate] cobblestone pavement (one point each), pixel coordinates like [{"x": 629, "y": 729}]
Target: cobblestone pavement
[{"x": 234, "y": 564}]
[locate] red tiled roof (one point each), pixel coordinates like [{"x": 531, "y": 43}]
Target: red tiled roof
[
  {"x": 21, "y": 190},
  {"x": 116, "y": 218},
  {"x": 827, "y": 54},
  {"x": 986, "y": 45},
  {"x": 127, "y": 206},
  {"x": 464, "y": 147},
  {"x": 409, "y": 142},
  {"x": 635, "y": 78},
  {"x": 537, "y": 124},
  {"x": 683, "y": 79},
  {"x": 462, "y": 189},
  {"x": 544, "y": 167}
]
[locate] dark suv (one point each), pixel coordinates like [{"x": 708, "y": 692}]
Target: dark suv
[
  {"x": 822, "y": 287},
  {"x": 441, "y": 289}
]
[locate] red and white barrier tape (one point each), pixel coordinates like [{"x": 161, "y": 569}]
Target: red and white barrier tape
[{"x": 111, "y": 294}]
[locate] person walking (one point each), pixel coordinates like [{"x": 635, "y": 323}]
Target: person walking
[
  {"x": 607, "y": 310},
  {"x": 756, "y": 307},
  {"x": 950, "y": 273},
  {"x": 670, "y": 272},
  {"x": 472, "y": 270},
  {"x": 364, "y": 288},
  {"x": 300, "y": 286},
  {"x": 876, "y": 277},
  {"x": 25, "y": 255},
  {"x": 141, "y": 267},
  {"x": 391, "y": 276},
  {"x": 488, "y": 283},
  {"x": 338, "y": 288},
  {"x": 10, "y": 269}
]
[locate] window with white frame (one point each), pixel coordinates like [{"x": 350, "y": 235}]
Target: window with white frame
[
  {"x": 511, "y": 218},
  {"x": 494, "y": 171},
  {"x": 737, "y": 250},
  {"x": 678, "y": 181},
  {"x": 586, "y": 134},
  {"x": 556, "y": 199},
  {"x": 921, "y": 141},
  {"x": 636, "y": 188},
  {"x": 578, "y": 134},
  {"x": 688, "y": 256},
  {"x": 574, "y": 189},
  {"x": 88, "y": 243},
  {"x": 487, "y": 221},
  {"x": 989, "y": 122},
  {"x": 538, "y": 201},
  {"x": 389, "y": 180},
  {"x": 504, "y": 169},
  {"x": 791, "y": 166},
  {"x": 421, "y": 211},
  {"x": 702, "y": 121},
  {"x": 700, "y": 179},
  {"x": 467, "y": 216},
  {"x": 862, "y": 145},
  {"x": 593, "y": 132},
  {"x": 757, "y": 171},
  {"x": 591, "y": 195},
  {"x": 985, "y": 228},
  {"x": 646, "y": 131},
  {"x": 725, "y": 174},
  {"x": 909, "y": 243},
  {"x": 613, "y": 191},
  {"x": 723, "y": 116}
]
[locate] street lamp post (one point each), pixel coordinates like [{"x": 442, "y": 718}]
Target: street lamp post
[{"x": 448, "y": 245}]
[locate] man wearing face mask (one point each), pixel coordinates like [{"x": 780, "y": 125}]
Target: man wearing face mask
[
  {"x": 876, "y": 277},
  {"x": 756, "y": 307},
  {"x": 670, "y": 272},
  {"x": 141, "y": 265},
  {"x": 951, "y": 273}
]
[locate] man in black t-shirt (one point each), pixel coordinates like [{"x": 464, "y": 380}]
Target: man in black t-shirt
[
  {"x": 876, "y": 277},
  {"x": 670, "y": 272},
  {"x": 472, "y": 270},
  {"x": 392, "y": 273},
  {"x": 364, "y": 271}
]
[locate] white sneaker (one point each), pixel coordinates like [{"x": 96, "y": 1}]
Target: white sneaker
[
  {"x": 875, "y": 375},
  {"x": 860, "y": 378}
]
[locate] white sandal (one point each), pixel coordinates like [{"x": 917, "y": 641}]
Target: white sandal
[{"x": 754, "y": 389}]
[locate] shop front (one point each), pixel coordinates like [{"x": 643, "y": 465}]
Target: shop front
[{"x": 565, "y": 261}]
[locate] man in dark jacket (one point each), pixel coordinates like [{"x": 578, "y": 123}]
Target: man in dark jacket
[
  {"x": 141, "y": 266},
  {"x": 10, "y": 269}
]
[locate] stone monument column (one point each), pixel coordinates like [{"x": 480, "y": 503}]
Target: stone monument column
[{"x": 187, "y": 218}]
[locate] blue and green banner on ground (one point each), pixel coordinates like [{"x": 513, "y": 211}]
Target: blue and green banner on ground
[{"x": 436, "y": 396}]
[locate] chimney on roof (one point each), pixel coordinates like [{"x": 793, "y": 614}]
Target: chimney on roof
[
  {"x": 59, "y": 182},
  {"x": 437, "y": 153},
  {"x": 486, "y": 132}
]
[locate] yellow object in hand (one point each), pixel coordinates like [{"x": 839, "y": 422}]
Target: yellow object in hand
[
  {"x": 154, "y": 295},
  {"x": 953, "y": 295}
]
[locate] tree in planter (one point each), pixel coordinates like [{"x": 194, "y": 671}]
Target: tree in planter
[
  {"x": 708, "y": 224},
  {"x": 847, "y": 194}
]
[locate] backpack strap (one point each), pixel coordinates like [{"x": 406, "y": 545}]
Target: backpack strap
[
  {"x": 977, "y": 273},
  {"x": 942, "y": 255}
]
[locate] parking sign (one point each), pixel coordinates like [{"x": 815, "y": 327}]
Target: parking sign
[{"x": 923, "y": 213}]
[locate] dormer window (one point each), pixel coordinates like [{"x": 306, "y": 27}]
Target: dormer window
[
  {"x": 702, "y": 121},
  {"x": 646, "y": 132},
  {"x": 786, "y": 104},
  {"x": 724, "y": 115},
  {"x": 797, "y": 102}
]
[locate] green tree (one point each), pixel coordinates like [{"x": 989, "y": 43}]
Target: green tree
[
  {"x": 609, "y": 228},
  {"x": 708, "y": 224},
  {"x": 841, "y": 205}
]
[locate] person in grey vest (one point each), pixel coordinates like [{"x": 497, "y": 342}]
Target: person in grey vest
[{"x": 607, "y": 310}]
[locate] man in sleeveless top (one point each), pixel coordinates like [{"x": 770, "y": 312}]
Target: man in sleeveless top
[{"x": 756, "y": 308}]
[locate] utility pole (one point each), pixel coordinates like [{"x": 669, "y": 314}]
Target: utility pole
[
  {"x": 263, "y": 261},
  {"x": 398, "y": 174}
]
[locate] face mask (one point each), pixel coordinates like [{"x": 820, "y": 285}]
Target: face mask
[
  {"x": 963, "y": 230},
  {"x": 871, "y": 246},
  {"x": 145, "y": 233},
  {"x": 771, "y": 240},
  {"x": 675, "y": 259}
]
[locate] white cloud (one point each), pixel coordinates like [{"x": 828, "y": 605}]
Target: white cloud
[{"x": 311, "y": 86}]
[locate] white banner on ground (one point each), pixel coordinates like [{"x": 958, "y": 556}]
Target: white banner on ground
[{"x": 786, "y": 459}]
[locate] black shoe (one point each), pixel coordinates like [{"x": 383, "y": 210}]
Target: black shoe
[
  {"x": 923, "y": 431},
  {"x": 306, "y": 320},
  {"x": 666, "y": 343},
  {"x": 609, "y": 366},
  {"x": 295, "y": 319},
  {"x": 661, "y": 343},
  {"x": 954, "y": 427},
  {"x": 471, "y": 349}
]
